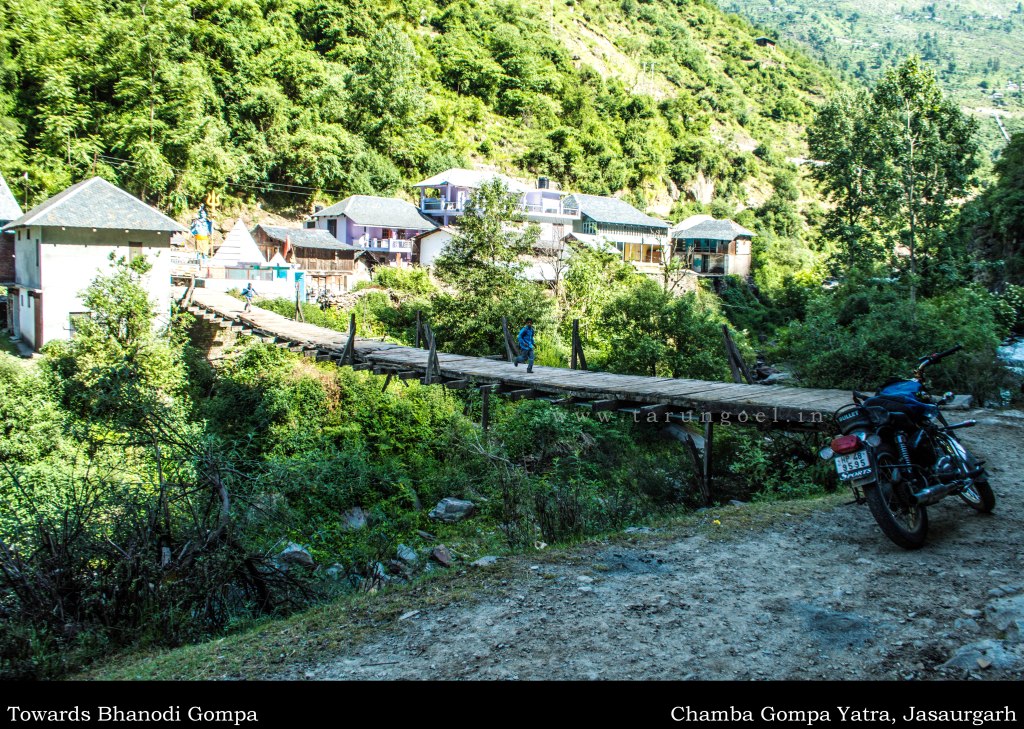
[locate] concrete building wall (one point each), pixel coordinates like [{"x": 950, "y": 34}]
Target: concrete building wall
[
  {"x": 431, "y": 246},
  {"x": 69, "y": 260}
]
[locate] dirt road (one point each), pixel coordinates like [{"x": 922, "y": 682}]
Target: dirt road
[{"x": 818, "y": 595}]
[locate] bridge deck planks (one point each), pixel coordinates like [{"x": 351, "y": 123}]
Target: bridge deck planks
[{"x": 782, "y": 403}]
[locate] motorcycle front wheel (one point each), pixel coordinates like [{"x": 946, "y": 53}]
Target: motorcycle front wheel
[{"x": 892, "y": 504}]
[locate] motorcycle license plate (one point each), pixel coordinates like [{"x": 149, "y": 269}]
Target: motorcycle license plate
[{"x": 853, "y": 465}]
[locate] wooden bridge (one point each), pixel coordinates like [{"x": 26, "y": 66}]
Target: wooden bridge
[
  {"x": 646, "y": 398},
  {"x": 668, "y": 401}
]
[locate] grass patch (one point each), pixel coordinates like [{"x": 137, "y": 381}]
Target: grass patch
[{"x": 7, "y": 346}]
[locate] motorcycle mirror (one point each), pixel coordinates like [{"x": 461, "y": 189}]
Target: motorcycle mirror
[{"x": 826, "y": 453}]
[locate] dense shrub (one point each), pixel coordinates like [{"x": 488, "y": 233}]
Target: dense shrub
[{"x": 858, "y": 337}]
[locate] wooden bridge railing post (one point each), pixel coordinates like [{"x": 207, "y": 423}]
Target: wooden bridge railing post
[
  {"x": 299, "y": 316},
  {"x": 418, "y": 325},
  {"x": 511, "y": 349},
  {"x": 579, "y": 360},
  {"x": 485, "y": 408},
  {"x": 708, "y": 472},
  {"x": 348, "y": 357},
  {"x": 736, "y": 363},
  {"x": 433, "y": 364},
  {"x": 186, "y": 299}
]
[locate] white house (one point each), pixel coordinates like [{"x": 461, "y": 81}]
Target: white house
[
  {"x": 64, "y": 243},
  {"x": 608, "y": 221},
  {"x": 712, "y": 247},
  {"x": 432, "y": 244}
]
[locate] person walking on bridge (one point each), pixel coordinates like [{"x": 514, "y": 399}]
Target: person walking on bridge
[
  {"x": 526, "y": 348},
  {"x": 248, "y": 292}
]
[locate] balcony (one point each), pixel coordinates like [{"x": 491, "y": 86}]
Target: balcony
[
  {"x": 436, "y": 205},
  {"x": 549, "y": 209},
  {"x": 389, "y": 245}
]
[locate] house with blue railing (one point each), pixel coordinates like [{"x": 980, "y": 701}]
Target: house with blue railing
[
  {"x": 443, "y": 197},
  {"x": 383, "y": 226}
]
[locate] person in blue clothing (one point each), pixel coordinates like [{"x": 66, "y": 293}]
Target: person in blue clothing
[
  {"x": 526, "y": 349},
  {"x": 248, "y": 292}
]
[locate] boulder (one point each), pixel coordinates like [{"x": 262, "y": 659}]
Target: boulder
[
  {"x": 983, "y": 654},
  {"x": 335, "y": 571},
  {"x": 960, "y": 402},
  {"x": 441, "y": 554},
  {"x": 295, "y": 554},
  {"x": 485, "y": 561},
  {"x": 1006, "y": 614},
  {"x": 407, "y": 554},
  {"x": 353, "y": 519},
  {"x": 452, "y": 510}
]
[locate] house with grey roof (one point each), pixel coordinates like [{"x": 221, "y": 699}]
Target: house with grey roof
[
  {"x": 613, "y": 224},
  {"x": 329, "y": 264},
  {"x": 61, "y": 245},
  {"x": 712, "y": 247},
  {"x": 384, "y": 226}
]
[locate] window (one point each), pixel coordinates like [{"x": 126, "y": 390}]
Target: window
[
  {"x": 332, "y": 227},
  {"x": 74, "y": 320},
  {"x": 590, "y": 227}
]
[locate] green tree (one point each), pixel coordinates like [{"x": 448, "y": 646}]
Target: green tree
[
  {"x": 994, "y": 224},
  {"x": 894, "y": 163},
  {"x": 385, "y": 89},
  {"x": 118, "y": 368},
  {"x": 482, "y": 263}
]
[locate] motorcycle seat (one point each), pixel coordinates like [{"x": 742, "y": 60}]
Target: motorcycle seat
[{"x": 902, "y": 405}]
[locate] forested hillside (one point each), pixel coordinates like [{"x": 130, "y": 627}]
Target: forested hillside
[
  {"x": 974, "y": 45},
  {"x": 291, "y": 101}
]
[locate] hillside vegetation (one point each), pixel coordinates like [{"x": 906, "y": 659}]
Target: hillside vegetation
[
  {"x": 294, "y": 101},
  {"x": 974, "y": 45}
]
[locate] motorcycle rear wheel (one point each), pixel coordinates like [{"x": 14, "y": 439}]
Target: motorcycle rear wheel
[{"x": 891, "y": 503}]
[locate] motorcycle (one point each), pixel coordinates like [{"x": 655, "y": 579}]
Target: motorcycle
[{"x": 899, "y": 455}]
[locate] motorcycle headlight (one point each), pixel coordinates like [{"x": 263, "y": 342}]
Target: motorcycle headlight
[{"x": 826, "y": 453}]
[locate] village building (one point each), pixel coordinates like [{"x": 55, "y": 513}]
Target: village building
[
  {"x": 444, "y": 196},
  {"x": 64, "y": 243},
  {"x": 765, "y": 42},
  {"x": 9, "y": 210},
  {"x": 431, "y": 244},
  {"x": 613, "y": 224},
  {"x": 713, "y": 247},
  {"x": 238, "y": 261},
  {"x": 329, "y": 264},
  {"x": 383, "y": 226}
]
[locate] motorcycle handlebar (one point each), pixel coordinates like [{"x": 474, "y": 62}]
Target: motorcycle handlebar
[{"x": 933, "y": 358}]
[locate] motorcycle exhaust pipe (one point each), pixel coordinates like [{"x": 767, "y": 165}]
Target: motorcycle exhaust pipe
[
  {"x": 948, "y": 484},
  {"x": 935, "y": 494},
  {"x": 948, "y": 477}
]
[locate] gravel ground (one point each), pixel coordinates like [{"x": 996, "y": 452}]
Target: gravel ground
[{"x": 812, "y": 596}]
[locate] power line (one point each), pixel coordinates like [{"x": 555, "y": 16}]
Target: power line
[{"x": 247, "y": 184}]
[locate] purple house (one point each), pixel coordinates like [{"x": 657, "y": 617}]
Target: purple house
[
  {"x": 384, "y": 226},
  {"x": 443, "y": 197}
]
